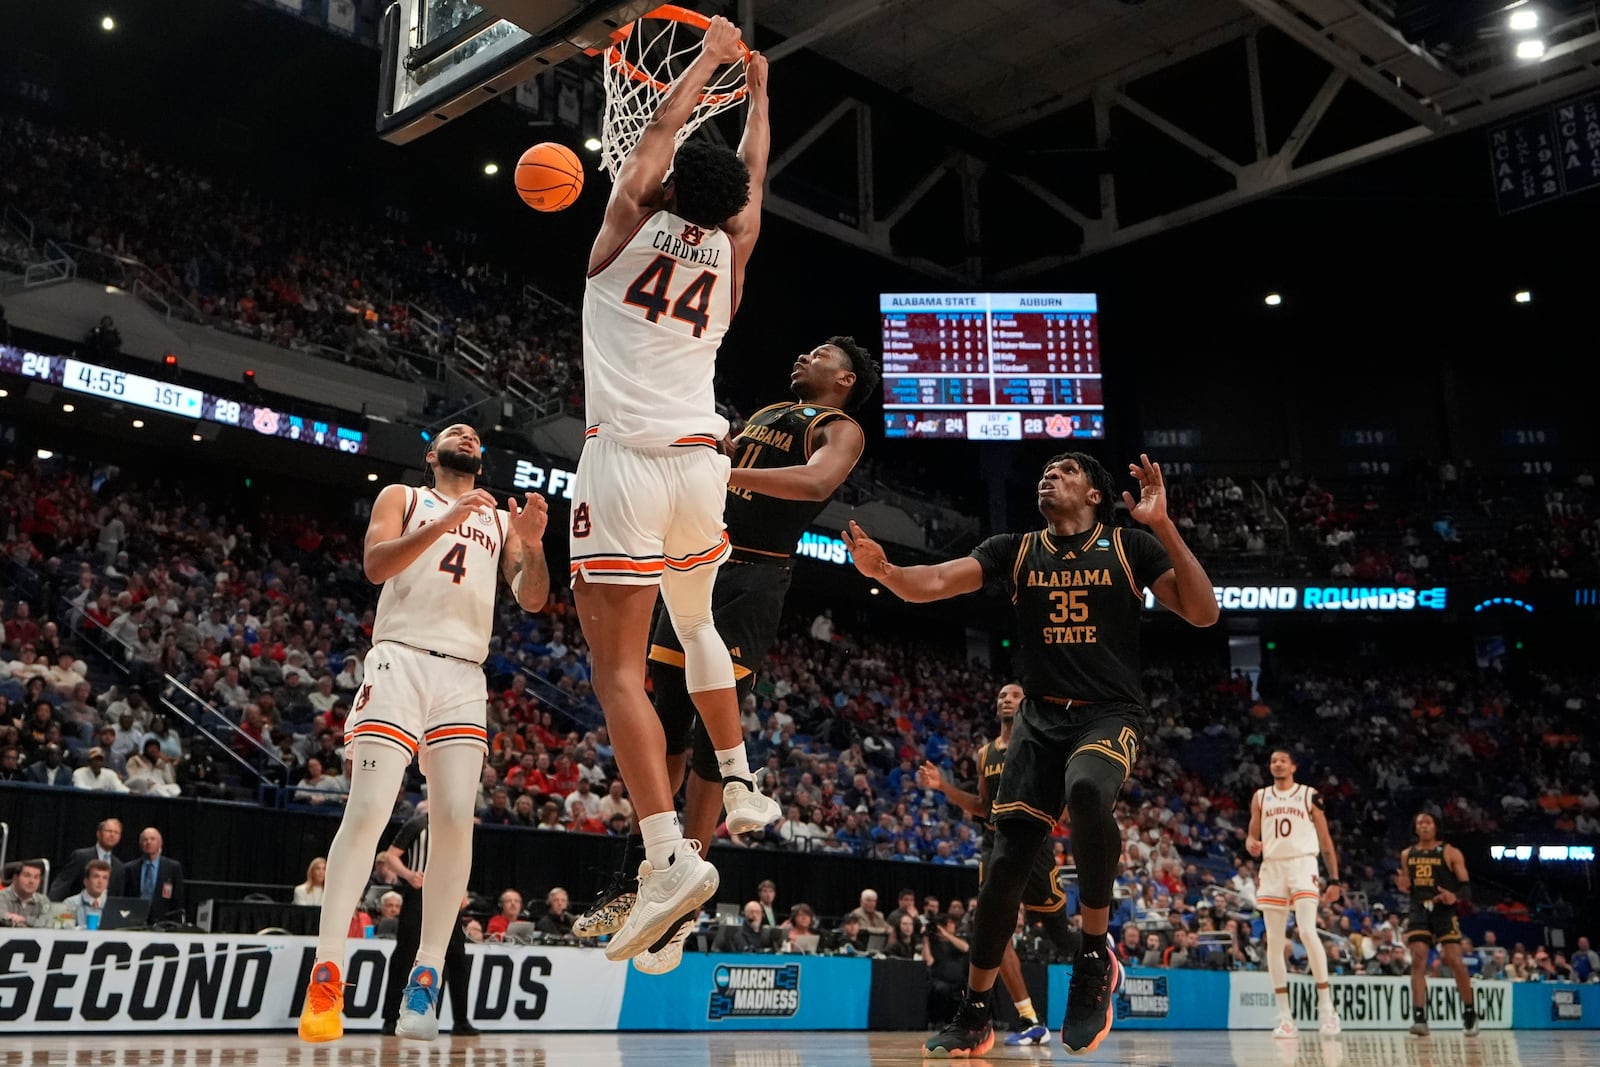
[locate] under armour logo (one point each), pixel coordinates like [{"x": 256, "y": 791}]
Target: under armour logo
[
  {"x": 369, "y": 764},
  {"x": 692, "y": 235},
  {"x": 383, "y": 666}
]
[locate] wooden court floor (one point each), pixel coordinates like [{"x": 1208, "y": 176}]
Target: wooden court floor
[{"x": 774, "y": 1049}]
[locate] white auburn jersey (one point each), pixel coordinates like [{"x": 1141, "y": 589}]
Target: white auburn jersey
[
  {"x": 444, "y": 601},
  {"x": 1287, "y": 830},
  {"x": 654, "y": 314}
]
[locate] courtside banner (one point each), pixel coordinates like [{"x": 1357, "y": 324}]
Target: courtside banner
[
  {"x": 746, "y": 992},
  {"x": 1155, "y": 999},
  {"x": 59, "y": 981},
  {"x": 1555, "y": 1006},
  {"x": 1364, "y": 1003}
]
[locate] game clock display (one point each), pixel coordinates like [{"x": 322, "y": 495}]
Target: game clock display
[
  {"x": 135, "y": 389},
  {"x": 992, "y": 366}
]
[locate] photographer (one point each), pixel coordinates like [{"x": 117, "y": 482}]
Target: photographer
[{"x": 945, "y": 954}]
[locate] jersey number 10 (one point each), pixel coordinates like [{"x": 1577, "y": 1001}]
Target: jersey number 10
[{"x": 649, "y": 291}]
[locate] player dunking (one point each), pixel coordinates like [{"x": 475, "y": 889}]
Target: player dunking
[
  {"x": 1042, "y": 896},
  {"x": 787, "y": 463},
  {"x": 436, "y": 551},
  {"x": 1078, "y": 588},
  {"x": 665, "y": 276},
  {"x": 1288, "y": 829},
  {"x": 1434, "y": 875}
]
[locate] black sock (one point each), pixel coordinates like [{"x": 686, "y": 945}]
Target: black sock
[
  {"x": 1469, "y": 1010},
  {"x": 1419, "y": 1014},
  {"x": 979, "y": 1001}
]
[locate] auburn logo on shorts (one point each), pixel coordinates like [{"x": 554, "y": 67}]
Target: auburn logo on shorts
[
  {"x": 581, "y": 526},
  {"x": 363, "y": 697},
  {"x": 692, "y": 235}
]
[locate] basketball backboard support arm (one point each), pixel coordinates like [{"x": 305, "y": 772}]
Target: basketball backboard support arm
[{"x": 424, "y": 83}]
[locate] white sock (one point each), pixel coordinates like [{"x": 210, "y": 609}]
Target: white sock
[
  {"x": 732, "y": 763},
  {"x": 1284, "y": 1013},
  {"x": 1025, "y": 1009},
  {"x": 662, "y": 835},
  {"x": 434, "y": 960}
]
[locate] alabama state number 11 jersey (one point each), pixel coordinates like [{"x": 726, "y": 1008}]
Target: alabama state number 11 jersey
[
  {"x": 654, "y": 314},
  {"x": 444, "y": 601}
]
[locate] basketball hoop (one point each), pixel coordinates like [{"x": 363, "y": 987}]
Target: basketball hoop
[{"x": 644, "y": 59}]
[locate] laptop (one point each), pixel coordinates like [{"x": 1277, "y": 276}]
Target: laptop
[
  {"x": 730, "y": 914},
  {"x": 125, "y": 913},
  {"x": 806, "y": 943},
  {"x": 876, "y": 943}
]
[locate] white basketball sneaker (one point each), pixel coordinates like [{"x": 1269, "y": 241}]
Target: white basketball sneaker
[
  {"x": 666, "y": 954},
  {"x": 1286, "y": 1029},
  {"x": 1330, "y": 1025},
  {"x": 665, "y": 895},
  {"x": 749, "y": 810}
]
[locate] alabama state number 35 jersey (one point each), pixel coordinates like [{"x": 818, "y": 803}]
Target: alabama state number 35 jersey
[
  {"x": 654, "y": 314},
  {"x": 444, "y": 601}
]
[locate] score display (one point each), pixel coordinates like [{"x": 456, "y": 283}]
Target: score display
[
  {"x": 992, "y": 366},
  {"x": 135, "y": 389}
]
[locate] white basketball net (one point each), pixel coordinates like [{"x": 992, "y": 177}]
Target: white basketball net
[{"x": 639, "y": 71}]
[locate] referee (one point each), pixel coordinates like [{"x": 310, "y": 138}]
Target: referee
[
  {"x": 1077, "y": 587},
  {"x": 406, "y": 858}
]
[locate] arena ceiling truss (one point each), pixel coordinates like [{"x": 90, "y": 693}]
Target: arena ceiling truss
[{"x": 1117, "y": 119}]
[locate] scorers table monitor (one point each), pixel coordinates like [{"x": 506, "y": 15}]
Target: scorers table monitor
[{"x": 992, "y": 366}]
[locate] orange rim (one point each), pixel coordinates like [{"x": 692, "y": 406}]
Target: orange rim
[{"x": 674, "y": 13}]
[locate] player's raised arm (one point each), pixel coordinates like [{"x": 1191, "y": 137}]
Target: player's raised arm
[
  {"x": 839, "y": 447},
  {"x": 522, "y": 560},
  {"x": 638, "y": 186},
  {"x": 917, "y": 585},
  {"x": 754, "y": 149},
  {"x": 1185, "y": 590}
]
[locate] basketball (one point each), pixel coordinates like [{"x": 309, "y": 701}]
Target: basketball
[{"x": 549, "y": 176}]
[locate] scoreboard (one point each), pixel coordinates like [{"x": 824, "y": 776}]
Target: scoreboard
[{"x": 992, "y": 366}]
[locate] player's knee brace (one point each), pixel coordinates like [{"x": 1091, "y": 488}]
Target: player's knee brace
[
  {"x": 706, "y": 662},
  {"x": 1092, "y": 787},
  {"x": 1016, "y": 845}
]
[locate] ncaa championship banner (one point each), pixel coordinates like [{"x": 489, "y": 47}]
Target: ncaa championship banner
[
  {"x": 61, "y": 981},
  {"x": 1364, "y": 1003},
  {"x": 743, "y": 992}
]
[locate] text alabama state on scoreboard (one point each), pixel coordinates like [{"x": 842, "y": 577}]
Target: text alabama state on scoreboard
[{"x": 992, "y": 366}]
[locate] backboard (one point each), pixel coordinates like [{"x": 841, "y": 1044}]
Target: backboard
[{"x": 442, "y": 58}]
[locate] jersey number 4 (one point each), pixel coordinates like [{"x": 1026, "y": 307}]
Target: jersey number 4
[
  {"x": 649, "y": 291},
  {"x": 455, "y": 563}
]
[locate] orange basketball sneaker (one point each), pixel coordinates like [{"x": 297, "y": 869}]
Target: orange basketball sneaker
[{"x": 322, "y": 1018}]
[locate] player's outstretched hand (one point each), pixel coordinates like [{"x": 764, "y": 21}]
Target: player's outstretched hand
[
  {"x": 755, "y": 75},
  {"x": 929, "y": 776},
  {"x": 463, "y": 507},
  {"x": 722, "y": 41},
  {"x": 1151, "y": 507},
  {"x": 868, "y": 554},
  {"x": 529, "y": 519}
]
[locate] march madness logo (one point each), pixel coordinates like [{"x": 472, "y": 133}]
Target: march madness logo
[
  {"x": 1143, "y": 998},
  {"x": 757, "y": 992}
]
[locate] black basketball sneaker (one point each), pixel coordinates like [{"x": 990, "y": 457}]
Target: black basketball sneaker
[{"x": 607, "y": 914}]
